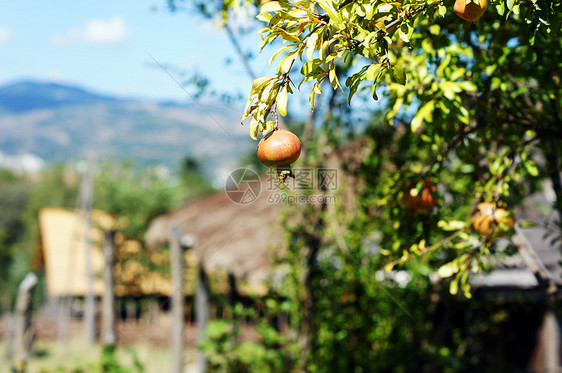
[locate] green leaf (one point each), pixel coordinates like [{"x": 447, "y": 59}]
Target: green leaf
[
  {"x": 453, "y": 225},
  {"x": 510, "y": 4},
  {"x": 435, "y": 29},
  {"x": 289, "y": 37},
  {"x": 404, "y": 36},
  {"x": 311, "y": 99},
  {"x": 527, "y": 224},
  {"x": 287, "y": 62},
  {"x": 516, "y": 9},
  {"x": 333, "y": 13},
  {"x": 272, "y": 6},
  {"x": 454, "y": 286},
  {"x": 317, "y": 88},
  {"x": 334, "y": 79},
  {"x": 374, "y": 92},
  {"x": 448, "y": 269},
  {"x": 310, "y": 46},
  {"x": 531, "y": 168},
  {"x": 371, "y": 71},
  {"x": 259, "y": 83},
  {"x": 424, "y": 113},
  {"x": 399, "y": 74},
  {"x": 276, "y": 54}
]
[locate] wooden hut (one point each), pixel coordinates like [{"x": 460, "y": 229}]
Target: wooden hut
[{"x": 62, "y": 256}]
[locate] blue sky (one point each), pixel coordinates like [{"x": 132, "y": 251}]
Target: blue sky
[{"x": 103, "y": 45}]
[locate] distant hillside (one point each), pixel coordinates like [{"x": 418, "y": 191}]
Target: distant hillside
[
  {"x": 59, "y": 122},
  {"x": 25, "y": 96}
]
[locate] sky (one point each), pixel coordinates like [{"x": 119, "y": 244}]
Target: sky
[{"x": 106, "y": 46}]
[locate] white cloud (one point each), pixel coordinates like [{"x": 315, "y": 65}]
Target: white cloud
[
  {"x": 4, "y": 35},
  {"x": 55, "y": 76},
  {"x": 111, "y": 31}
]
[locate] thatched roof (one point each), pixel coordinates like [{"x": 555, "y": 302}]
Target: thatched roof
[{"x": 231, "y": 238}]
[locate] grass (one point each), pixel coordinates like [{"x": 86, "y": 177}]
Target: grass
[{"x": 51, "y": 357}]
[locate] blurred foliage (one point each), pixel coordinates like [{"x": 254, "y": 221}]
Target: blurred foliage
[
  {"x": 14, "y": 196},
  {"x": 226, "y": 353},
  {"x": 133, "y": 196},
  {"x": 53, "y": 187},
  {"x": 192, "y": 183}
]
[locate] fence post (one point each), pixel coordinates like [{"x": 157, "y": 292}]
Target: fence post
[
  {"x": 178, "y": 244},
  {"x": 108, "y": 334},
  {"x": 90, "y": 307},
  {"x": 23, "y": 333},
  {"x": 202, "y": 313}
]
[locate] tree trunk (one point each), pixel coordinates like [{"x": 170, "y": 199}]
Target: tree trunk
[
  {"x": 177, "y": 341},
  {"x": 23, "y": 333},
  {"x": 108, "y": 334}
]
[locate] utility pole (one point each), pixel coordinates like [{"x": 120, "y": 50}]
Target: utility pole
[{"x": 86, "y": 197}]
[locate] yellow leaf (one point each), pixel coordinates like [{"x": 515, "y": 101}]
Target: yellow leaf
[
  {"x": 282, "y": 101},
  {"x": 272, "y": 6},
  {"x": 447, "y": 270},
  {"x": 254, "y": 128},
  {"x": 310, "y": 46},
  {"x": 287, "y": 62}
]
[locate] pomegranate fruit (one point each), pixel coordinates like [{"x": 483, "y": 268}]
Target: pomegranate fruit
[
  {"x": 470, "y": 10},
  {"x": 279, "y": 148},
  {"x": 488, "y": 218},
  {"x": 420, "y": 201}
]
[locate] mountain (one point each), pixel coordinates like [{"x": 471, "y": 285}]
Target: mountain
[
  {"x": 25, "y": 96},
  {"x": 61, "y": 122}
]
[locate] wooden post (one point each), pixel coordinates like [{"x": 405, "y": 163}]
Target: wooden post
[
  {"x": 201, "y": 313},
  {"x": 64, "y": 305},
  {"x": 177, "y": 324},
  {"x": 22, "y": 324},
  {"x": 86, "y": 194},
  {"x": 550, "y": 340},
  {"x": 130, "y": 309},
  {"x": 108, "y": 333}
]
